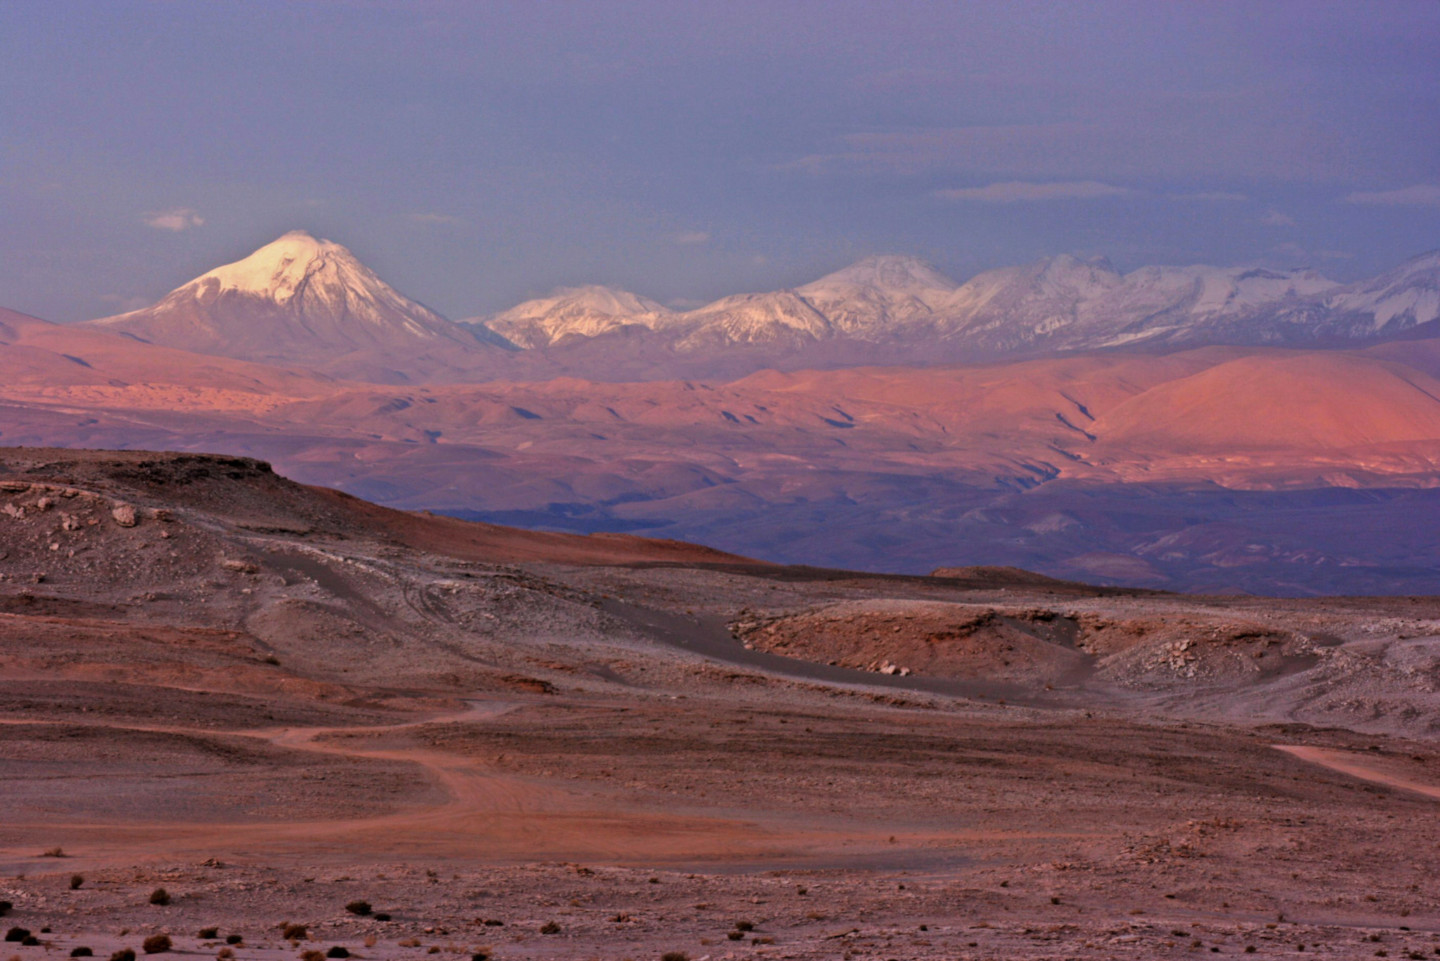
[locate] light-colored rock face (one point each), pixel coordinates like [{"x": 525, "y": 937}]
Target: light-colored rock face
[{"x": 297, "y": 298}]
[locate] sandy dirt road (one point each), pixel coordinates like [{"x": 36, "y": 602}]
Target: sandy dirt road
[
  {"x": 1356, "y": 765},
  {"x": 487, "y": 816}
]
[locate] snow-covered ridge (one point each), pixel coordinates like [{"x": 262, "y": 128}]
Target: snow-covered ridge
[{"x": 1059, "y": 303}]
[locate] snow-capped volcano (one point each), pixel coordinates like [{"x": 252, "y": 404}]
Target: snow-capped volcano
[
  {"x": 296, "y": 300},
  {"x": 573, "y": 312}
]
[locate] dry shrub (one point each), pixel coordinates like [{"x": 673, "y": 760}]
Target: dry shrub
[
  {"x": 156, "y": 944},
  {"x": 160, "y": 896},
  {"x": 75, "y": 881}
]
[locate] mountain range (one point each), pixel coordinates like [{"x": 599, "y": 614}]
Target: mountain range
[
  {"x": 1195, "y": 428},
  {"x": 304, "y": 301}
]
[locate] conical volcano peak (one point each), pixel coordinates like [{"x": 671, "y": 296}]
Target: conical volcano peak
[
  {"x": 296, "y": 299},
  {"x": 286, "y": 266}
]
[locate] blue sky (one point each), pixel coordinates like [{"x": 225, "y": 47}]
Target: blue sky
[{"x": 479, "y": 153}]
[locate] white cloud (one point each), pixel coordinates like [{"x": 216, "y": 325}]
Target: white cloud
[
  {"x": 1420, "y": 195},
  {"x": 692, "y": 238},
  {"x": 429, "y": 218},
  {"x": 1016, "y": 191},
  {"x": 175, "y": 219},
  {"x": 1277, "y": 218}
]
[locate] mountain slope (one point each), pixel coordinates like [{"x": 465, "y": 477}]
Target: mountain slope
[
  {"x": 878, "y": 296},
  {"x": 898, "y": 309},
  {"x": 573, "y": 312},
  {"x": 299, "y": 300}
]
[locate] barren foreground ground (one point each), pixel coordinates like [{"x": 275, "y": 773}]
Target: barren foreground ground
[{"x": 274, "y": 702}]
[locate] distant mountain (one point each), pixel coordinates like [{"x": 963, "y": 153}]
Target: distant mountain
[
  {"x": 306, "y": 302},
  {"x": 300, "y": 300},
  {"x": 574, "y": 312},
  {"x": 1064, "y": 303},
  {"x": 879, "y": 297}
]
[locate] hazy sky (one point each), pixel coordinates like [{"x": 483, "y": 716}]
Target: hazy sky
[{"x": 478, "y": 153}]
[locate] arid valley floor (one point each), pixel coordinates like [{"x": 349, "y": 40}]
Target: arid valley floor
[{"x": 274, "y": 701}]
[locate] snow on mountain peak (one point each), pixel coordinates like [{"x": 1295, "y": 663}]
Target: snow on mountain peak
[
  {"x": 897, "y": 273},
  {"x": 569, "y": 312},
  {"x": 296, "y": 297},
  {"x": 283, "y": 267}
]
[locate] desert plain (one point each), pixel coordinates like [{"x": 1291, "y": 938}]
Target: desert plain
[{"x": 323, "y": 726}]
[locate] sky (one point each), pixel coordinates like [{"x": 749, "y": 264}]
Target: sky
[{"x": 477, "y": 154}]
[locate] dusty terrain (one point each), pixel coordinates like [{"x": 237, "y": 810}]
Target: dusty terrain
[
  {"x": 1105, "y": 467},
  {"x": 273, "y": 701}
]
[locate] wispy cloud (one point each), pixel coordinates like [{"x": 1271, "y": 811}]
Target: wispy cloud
[
  {"x": 1212, "y": 196},
  {"x": 126, "y": 302},
  {"x": 692, "y": 238},
  {"x": 1420, "y": 195},
  {"x": 175, "y": 219},
  {"x": 1016, "y": 191},
  {"x": 1277, "y": 218},
  {"x": 429, "y": 218}
]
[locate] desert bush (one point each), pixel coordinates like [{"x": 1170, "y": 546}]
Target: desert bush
[
  {"x": 81, "y": 952},
  {"x": 55, "y": 852},
  {"x": 225, "y": 954},
  {"x": 156, "y": 944},
  {"x": 361, "y": 908},
  {"x": 205, "y": 934},
  {"x": 481, "y": 954},
  {"x": 735, "y": 935},
  {"x": 124, "y": 954},
  {"x": 295, "y": 932},
  {"x": 75, "y": 881},
  {"x": 5, "y": 907},
  {"x": 233, "y": 938},
  {"x": 550, "y": 927},
  {"x": 380, "y": 916},
  {"x": 674, "y": 956},
  {"x": 17, "y": 934},
  {"x": 338, "y": 951},
  {"x": 160, "y": 896},
  {"x": 744, "y": 925},
  {"x": 30, "y": 942},
  {"x": 312, "y": 955}
]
